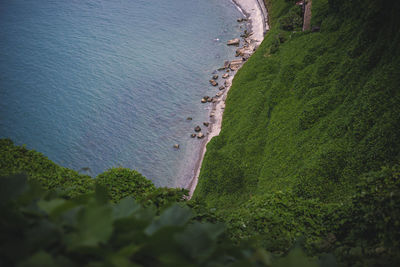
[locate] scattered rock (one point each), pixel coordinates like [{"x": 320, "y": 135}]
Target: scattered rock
[
  {"x": 245, "y": 34},
  {"x": 243, "y": 52},
  {"x": 206, "y": 123},
  {"x": 235, "y": 41},
  {"x": 206, "y": 97},
  {"x": 176, "y": 146},
  {"x": 227, "y": 84},
  {"x": 226, "y": 64},
  {"x": 212, "y": 114},
  {"x": 193, "y": 135},
  {"x": 241, "y": 20},
  {"x": 203, "y": 100},
  {"x": 200, "y": 135},
  {"x": 213, "y": 83},
  {"x": 235, "y": 64},
  {"x": 197, "y": 129},
  {"x": 219, "y": 94},
  {"x": 214, "y": 100},
  {"x": 215, "y": 77},
  {"x": 210, "y": 99},
  {"x": 221, "y": 87},
  {"x": 189, "y": 118},
  {"x": 226, "y": 75}
]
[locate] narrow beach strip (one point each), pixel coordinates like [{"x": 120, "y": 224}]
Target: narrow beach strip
[{"x": 257, "y": 15}]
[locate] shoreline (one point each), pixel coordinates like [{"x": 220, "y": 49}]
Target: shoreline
[{"x": 257, "y": 16}]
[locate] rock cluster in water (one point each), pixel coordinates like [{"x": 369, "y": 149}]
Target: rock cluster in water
[{"x": 243, "y": 52}]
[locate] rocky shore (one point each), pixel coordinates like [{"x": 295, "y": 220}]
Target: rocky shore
[{"x": 256, "y": 15}]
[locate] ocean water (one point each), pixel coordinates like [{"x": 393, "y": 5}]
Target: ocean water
[{"x": 105, "y": 83}]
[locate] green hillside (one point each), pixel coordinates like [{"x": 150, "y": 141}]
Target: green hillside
[
  {"x": 311, "y": 129},
  {"x": 305, "y": 172}
]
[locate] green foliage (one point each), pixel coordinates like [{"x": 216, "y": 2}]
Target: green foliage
[
  {"x": 371, "y": 220},
  {"x": 310, "y": 116},
  {"x": 17, "y": 159},
  {"x": 122, "y": 182},
  {"x": 293, "y": 20},
  {"x": 41, "y": 228}
]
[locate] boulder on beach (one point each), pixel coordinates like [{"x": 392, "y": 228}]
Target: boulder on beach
[
  {"x": 226, "y": 75},
  {"x": 215, "y": 77},
  {"x": 212, "y": 114},
  {"x": 227, "y": 84},
  {"x": 193, "y": 135},
  {"x": 189, "y": 118},
  {"x": 213, "y": 83},
  {"x": 234, "y": 67},
  {"x": 210, "y": 99},
  {"x": 219, "y": 94},
  {"x": 200, "y": 135},
  {"x": 226, "y": 64},
  {"x": 176, "y": 146},
  {"x": 235, "y": 41},
  {"x": 206, "y": 123},
  {"x": 221, "y": 87},
  {"x": 197, "y": 129},
  {"x": 203, "y": 100}
]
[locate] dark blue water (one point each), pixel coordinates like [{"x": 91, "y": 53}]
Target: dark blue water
[{"x": 106, "y": 83}]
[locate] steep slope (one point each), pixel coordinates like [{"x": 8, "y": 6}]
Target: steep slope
[{"x": 308, "y": 118}]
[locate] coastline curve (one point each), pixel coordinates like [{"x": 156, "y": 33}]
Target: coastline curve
[{"x": 257, "y": 15}]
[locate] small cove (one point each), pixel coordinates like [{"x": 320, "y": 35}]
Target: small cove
[{"x": 100, "y": 84}]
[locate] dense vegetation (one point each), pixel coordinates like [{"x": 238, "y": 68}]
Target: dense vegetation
[
  {"x": 310, "y": 138},
  {"x": 120, "y": 219},
  {"x": 308, "y": 155},
  {"x": 120, "y": 182}
]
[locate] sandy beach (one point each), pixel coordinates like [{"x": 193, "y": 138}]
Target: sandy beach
[{"x": 256, "y": 14}]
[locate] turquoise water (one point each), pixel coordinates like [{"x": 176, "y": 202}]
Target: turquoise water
[{"x": 103, "y": 83}]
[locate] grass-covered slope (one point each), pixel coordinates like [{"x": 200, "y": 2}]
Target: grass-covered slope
[
  {"x": 309, "y": 117},
  {"x": 120, "y": 182}
]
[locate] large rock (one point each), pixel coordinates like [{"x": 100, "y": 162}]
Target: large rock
[
  {"x": 200, "y": 135},
  {"x": 221, "y": 87},
  {"x": 176, "y": 146},
  {"x": 203, "y": 100},
  {"x": 235, "y": 41},
  {"x": 215, "y": 77},
  {"x": 213, "y": 83},
  {"x": 226, "y": 64},
  {"x": 219, "y": 94},
  {"x": 225, "y": 76},
  {"x": 193, "y": 135},
  {"x": 243, "y": 52},
  {"x": 206, "y": 123},
  {"x": 197, "y": 128}
]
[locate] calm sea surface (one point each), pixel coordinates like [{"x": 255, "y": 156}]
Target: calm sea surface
[{"x": 106, "y": 83}]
